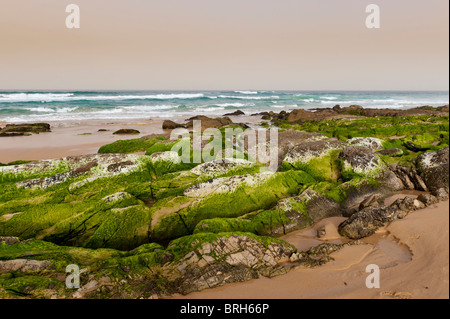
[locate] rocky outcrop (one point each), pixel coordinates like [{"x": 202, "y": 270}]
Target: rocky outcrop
[
  {"x": 230, "y": 259},
  {"x": 434, "y": 169},
  {"x": 24, "y": 129},
  {"x": 87, "y": 165},
  {"x": 366, "y": 222}
]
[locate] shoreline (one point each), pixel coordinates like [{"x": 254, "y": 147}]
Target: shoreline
[{"x": 424, "y": 233}]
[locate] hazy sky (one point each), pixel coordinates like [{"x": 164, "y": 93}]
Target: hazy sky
[{"x": 226, "y": 44}]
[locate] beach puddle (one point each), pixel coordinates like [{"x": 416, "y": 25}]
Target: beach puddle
[{"x": 387, "y": 250}]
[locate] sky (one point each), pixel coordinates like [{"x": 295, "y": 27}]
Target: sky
[{"x": 224, "y": 45}]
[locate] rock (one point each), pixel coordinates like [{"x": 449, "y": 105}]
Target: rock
[
  {"x": 104, "y": 164},
  {"x": 441, "y": 194},
  {"x": 317, "y": 158},
  {"x": 414, "y": 147},
  {"x": 328, "y": 232},
  {"x": 220, "y": 166},
  {"x": 409, "y": 176},
  {"x": 295, "y": 213},
  {"x": 392, "y": 152},
  {"x": 374, "y": 144},
  {"x": 428, "y": 199},
  {"x": 243, "y": 259},
  {"x": 127, "y": 132},
  {"x": 407, "y": 204},
  {"x": 236, "y": 113},
  {"x": 226, "y": 185},
  {"x": 207, "y": 122},
  {"x": 23, "y": 265},
  {"x": 21, "y": 129},
  {"x": 373, "y": 200},
  {"x": 300, "y": 116},
  {"x": 169, "y": 157},
  {"x": 360, "y": 161},
  {"x": 171, "y": 125},
  {"x": 116, "y": 197},
  {"x": 9, "y": 240},
  {"x": 434, "y": 169},
  {"x": 365, "y": 222}
]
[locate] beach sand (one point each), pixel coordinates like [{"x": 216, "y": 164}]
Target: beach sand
[{"x": 413, "y": 256}]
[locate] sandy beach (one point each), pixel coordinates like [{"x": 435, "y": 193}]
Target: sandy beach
[{"x": 413, "y": 256}]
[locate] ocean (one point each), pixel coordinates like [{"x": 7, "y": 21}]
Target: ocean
[{"x": 84, "y": 105}]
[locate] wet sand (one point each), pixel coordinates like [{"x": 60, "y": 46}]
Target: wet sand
[{"x": 413, "y": 255}]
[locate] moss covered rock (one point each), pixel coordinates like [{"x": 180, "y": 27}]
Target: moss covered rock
[{"x": 317, "y": 158}]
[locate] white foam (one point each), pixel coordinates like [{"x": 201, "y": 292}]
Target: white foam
[{"x": 246, "y": 92}]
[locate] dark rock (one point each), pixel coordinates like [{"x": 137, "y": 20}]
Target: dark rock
[
  {"x": 414, "y": 147},
  {"x": 170, "y": 125},
  {"x": 237, "y": 113},
  {"x": 409, "y": 176},
  {"x": 374, "y": 200},
  {"x": 392, "y": 152},
  {"x": 366, "y": 222},
  {"x": 127, "y": 132},
  {"x": 434, "y": 169},
  {"x": 207, "y": 122}
]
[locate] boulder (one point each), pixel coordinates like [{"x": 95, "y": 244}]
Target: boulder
[
  {"x": 434, "y": 169},
  {"x": 171, "y": 125}
]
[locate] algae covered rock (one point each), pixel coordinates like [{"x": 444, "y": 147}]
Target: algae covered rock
[
  {"x": 317, "y": 158},
  {"x": 221, "y": 166},
  {"x": 227, "y": 197},
  {"x": 360, "y": 161}
]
